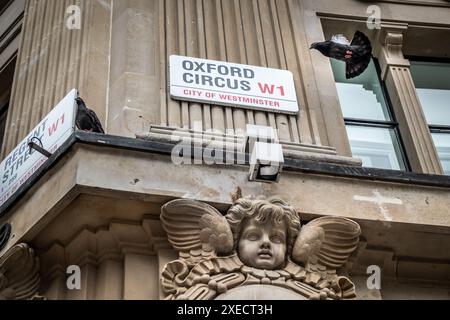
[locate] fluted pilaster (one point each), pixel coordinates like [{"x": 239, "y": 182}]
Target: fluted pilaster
[
  {"x": 263, "y": 33},
  {"x": 412, "y": 122}
]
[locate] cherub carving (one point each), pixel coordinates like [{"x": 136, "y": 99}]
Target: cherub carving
[{"x": 258, "y": 243}]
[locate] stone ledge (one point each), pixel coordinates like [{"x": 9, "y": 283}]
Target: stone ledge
[
  {"x": 141, "y": 176},
  {"x": 233, "y": 141}
]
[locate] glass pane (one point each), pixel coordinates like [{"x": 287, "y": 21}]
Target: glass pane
[
  {"x": 377, "y": 147},
  {"x": 432, "y": 81},
  {"x": 361, "y": 97},
  {"x": 436, "y": 105},
  {"x": 442, "y": 142}
]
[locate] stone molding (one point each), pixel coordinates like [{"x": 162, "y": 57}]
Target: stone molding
[
  {"x": 397, "y": 268},
  {"x": 117, "y": 262},
  {"x": 234, "y": 143},
  {"x": 90, "y": 247}
]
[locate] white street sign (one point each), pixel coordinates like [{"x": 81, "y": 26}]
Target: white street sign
[
  {"x": 230, "y": 84},
  {"x": 52, "y": 131}
]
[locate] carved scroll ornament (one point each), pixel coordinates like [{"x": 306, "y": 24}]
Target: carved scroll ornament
[{"x": 19, "y": 274}]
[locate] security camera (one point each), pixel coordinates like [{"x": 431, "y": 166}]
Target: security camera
[
  {"x": 266, "y": 154},
  {"x": 266, "y": 162}
]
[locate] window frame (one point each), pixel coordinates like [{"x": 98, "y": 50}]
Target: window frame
[
  {"x": 432, "y": 128},
  {"x": 384, "y": 124},
  {"x": 4, "y": 113},
  {"x": 5, "y": 102}
]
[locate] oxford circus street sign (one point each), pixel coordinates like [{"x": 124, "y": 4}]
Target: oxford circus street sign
[{"x": 230, "y": 84}]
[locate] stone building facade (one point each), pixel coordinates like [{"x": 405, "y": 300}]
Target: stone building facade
[{"x": 96, "y": 203}]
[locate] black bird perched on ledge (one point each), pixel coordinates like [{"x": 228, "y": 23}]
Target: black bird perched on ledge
[
  {"x": 356, "y": 55},
  {"x": 86, "y": 119}
]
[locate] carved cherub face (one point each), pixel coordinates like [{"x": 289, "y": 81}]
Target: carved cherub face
[
  {"x": 262, "y": 245},
  {"x": 264, "y": 231}
]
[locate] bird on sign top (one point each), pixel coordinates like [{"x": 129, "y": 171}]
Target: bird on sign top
[{"x": 86, "y": 119}]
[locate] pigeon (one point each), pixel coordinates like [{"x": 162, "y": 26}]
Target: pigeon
[
  {"x": 357, "y": 55},
  {"x": 87, "y": 120}
]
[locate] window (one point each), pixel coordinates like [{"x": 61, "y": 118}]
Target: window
[
  {"x": 371, "y": 127},
  {"x": 3, "y": 114},
  {"x": 432, "y": 81},
  {"x": 6, "y": 80}
]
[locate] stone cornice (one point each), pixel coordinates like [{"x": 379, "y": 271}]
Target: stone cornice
[
  {"x": 111, "y": 243},
  {"x": 90, "y": 168}
]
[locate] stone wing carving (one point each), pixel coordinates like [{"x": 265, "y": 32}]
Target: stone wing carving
[
  {"x": 19, "y": 274},
  {"x": 326, "y": 243},
  {"x": 196, "y": 226}
]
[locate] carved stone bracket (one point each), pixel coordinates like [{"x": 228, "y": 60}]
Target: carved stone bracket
[
  {"x": 391, "y": 37},
  {"x": 19, "y": 274},
  {"x": 217, "y": 276},
  {"x": 258, "y": 247}
]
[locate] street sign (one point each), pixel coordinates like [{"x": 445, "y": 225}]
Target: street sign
[
  {"x": 51, "y": 132},
  {"x": 230, "y": 84}
]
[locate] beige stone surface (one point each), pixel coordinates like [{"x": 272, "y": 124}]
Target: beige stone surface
[
  {"x": 410, "y": 290},
  {"x": 109, "y": 273},
  {"x": 119, "y": 260},
  {"x": 260, "y": 292},
  {"x": 263, "y": 33},
  {"x": 138, "y": 178},
  {"x": 99, "y": 207},
  {"x": 140, "y": 275},
  {"x": 134, "y": 83},
  {"x": 362, "y": 291}
]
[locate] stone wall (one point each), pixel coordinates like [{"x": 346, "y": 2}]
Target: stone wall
[{"x": 54, "y": 59}]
